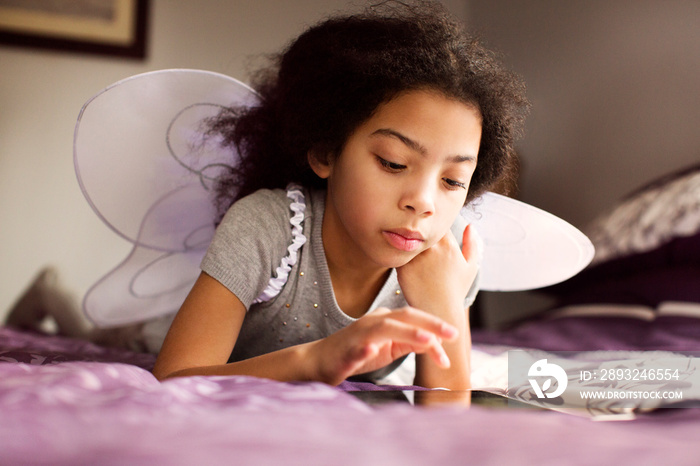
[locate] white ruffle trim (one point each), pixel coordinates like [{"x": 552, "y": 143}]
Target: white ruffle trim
[{"x": 276, "y": 283}]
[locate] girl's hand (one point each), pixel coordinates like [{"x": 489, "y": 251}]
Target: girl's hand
[
  {"x": 376, "y": 340},
  {"x": 439, "y": 278},
  {"x": 437, "y": 281}
]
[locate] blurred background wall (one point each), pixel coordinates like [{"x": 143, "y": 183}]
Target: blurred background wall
[
  {"x": 613, "y": 84},
  {"x": 615, "y": 92}
]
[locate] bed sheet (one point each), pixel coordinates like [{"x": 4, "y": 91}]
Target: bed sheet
[
  {"x": 68, "y": 402},
  {"x": 592, "y": 333}
]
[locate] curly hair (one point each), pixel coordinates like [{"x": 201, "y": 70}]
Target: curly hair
[{"x": 333, "y": 77}]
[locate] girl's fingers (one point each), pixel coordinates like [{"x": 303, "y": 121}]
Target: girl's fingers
[
  {"x": 467, "y": 246},
  {"x": 424, "y": 322},
  {"x": 472, "y": 245},
  {"x": 381, "y": 337},
  {"x": 416, "y": 332},
  {"x": 360, "y": 355}
]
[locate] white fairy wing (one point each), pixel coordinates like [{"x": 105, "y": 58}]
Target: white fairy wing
[
  {"x": 524, "y": 247},
  {"x": 147, "y": 167},
  {"x": 147, "y": 284}
]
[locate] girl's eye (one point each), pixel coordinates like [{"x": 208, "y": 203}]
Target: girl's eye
[
  {"x": 391, "y": 166},
  {"x": 454, "y": 184}
]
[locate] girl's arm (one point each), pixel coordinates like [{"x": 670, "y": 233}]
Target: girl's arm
[
  {"x": 437, "y": 281},
  {"x": 205, "y": 330}
]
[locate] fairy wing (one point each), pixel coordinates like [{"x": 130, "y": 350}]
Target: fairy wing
[
  {"x": 524, "y": 247},
  {"x": 147, "y": 166}
]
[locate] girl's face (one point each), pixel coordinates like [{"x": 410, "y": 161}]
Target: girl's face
[{"x": 400, "y": 181}]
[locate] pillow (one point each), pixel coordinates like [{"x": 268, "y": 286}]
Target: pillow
[
  {"x": 648, "y": 279},
  {"x": 655, "y": 214},
  {"x": 647, "y": 248}
]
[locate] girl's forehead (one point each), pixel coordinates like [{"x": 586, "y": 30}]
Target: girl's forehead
[
  {"x": 426, "y": 123},
  {"x": 411, "y": 103},
  {"x": 423, "y": 108}
]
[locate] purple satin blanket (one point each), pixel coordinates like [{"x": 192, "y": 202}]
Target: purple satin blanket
[
  {"x": 667, "y": 333},
  {"x": 69, "y": 402}
]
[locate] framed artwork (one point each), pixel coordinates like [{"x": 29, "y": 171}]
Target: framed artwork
[{"x": 106, "y": 27}]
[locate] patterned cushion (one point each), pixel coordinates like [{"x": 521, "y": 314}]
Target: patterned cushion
[
  {"x": 647, "y": 248},
  {"x": 663, "y": 210}
]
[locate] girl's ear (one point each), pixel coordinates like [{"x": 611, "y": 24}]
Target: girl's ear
[{"x": 319, "y": 164}]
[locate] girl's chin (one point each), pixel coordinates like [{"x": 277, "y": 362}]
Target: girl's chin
[{"x": 399, "y": 260}]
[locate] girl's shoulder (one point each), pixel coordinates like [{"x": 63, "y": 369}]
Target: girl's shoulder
[
  {"x": 265, "y": 207},
  {"x": 260, "y": 232},
  {"x": 273, "y": 212},
  {"x": 262, "y": 199}
]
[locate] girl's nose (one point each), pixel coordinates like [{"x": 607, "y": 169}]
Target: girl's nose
[{"x": 419, "y": 198}]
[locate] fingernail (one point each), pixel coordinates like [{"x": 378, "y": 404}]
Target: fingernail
[
  {"x": 445, "y": 361},
  {"x": 449, "y": 331}
]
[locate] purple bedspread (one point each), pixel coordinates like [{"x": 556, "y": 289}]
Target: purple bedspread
[
  {"x": 668, "y": 333},
  {"x": 68, "y": 402}
]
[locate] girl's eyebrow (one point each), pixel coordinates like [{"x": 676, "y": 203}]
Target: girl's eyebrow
[
  {"x": 410, "y": 143},
  {"x": 417, "y": 147}
]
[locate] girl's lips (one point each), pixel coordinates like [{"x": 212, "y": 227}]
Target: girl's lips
[{"x": 404, "y": 240}]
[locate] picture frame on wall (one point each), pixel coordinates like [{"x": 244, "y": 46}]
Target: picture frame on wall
[{"x": 104, "y": 27}]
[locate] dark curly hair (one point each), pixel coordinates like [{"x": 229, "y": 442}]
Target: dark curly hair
[{"x": 334, "y": 76}]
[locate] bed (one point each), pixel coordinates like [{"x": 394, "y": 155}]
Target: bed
[{"x": 68, "y": 401}]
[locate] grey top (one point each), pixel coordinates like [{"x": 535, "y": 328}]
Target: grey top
[{"x": 246, "y": 251}]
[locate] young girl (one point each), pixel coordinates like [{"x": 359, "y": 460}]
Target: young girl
[{"x": 335, "y": 256}]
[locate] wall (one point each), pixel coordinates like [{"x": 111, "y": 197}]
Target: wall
[
  {"x": 614, "y": 87},
  {"x": 44, "y": 218}
]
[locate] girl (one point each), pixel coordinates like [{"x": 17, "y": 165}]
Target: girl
[{"x": 372, "y": 132}]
